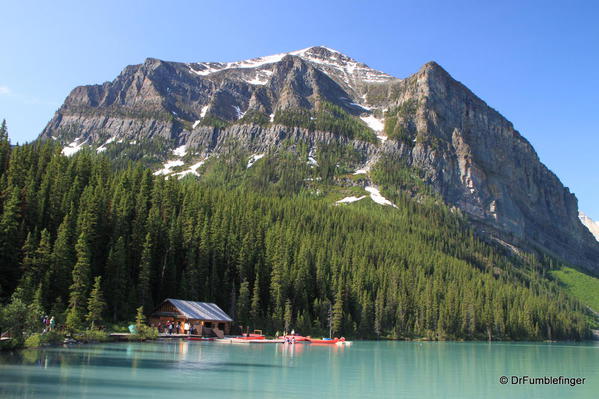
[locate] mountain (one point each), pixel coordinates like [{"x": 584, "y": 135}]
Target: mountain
[
  {"x": 590, "y": 224},
  {"x": 175, "y": 117}
]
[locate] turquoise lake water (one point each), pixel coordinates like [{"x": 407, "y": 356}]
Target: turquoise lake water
[{"x": 181, "y": 369}]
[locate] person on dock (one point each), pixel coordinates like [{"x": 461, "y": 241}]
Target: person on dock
[{"x": 186, "y": 327}]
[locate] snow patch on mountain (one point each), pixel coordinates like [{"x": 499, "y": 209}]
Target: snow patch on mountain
[
  {"x": 202, "y": 115},
  {"x": 346, "y": 68},
  {"x": 260, "y": 78},
  {"x": 253, "y": 159},
  {"x": 590, "y": 224},
  {"x": 102, "y": 148},
  {"x": 239, "y": 112},
  {"x": 363, "y": 171},
  {"x": 376, "y": 196},
  {"x": 168, "y": 166},
  {"x": 180, "y": 151},
  {"x": 203, "y": 111},
  {"x": 73, "y": 147},
  {"x": 349, "y": 200},
  {"x": 374, "y": 123},
  {"x": 311, "y": 160},
  {"x": 193, "y": 169}
]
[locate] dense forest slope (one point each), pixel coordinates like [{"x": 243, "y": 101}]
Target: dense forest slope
[
  {"x": 173, "y": 116},
  {"x": 268, "y": 244}
]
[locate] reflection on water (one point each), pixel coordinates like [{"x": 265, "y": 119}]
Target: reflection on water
[{"x": 185, "y": 369}]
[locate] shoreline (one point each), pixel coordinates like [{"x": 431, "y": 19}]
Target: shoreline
[{"x": 124, "y": 338}]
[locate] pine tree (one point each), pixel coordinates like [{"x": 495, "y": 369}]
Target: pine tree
[
  {"x": 4, "y": 147},
  {"x": 337, "y": 316},
  {"x": 255, "y": 306},
  {"x": 9, "y": 241},
  {"x": 117, "y": 280},
  {"x": 95, "y": 303},
  {"x": 243, "y": 303},
  {"x": 140, "y": 320},
  {"x": 80, "y": 286},
  {"x": 35, "y": 311},
  {"x": 288, "y": 315},
  {"x": 145, "y": 274},
  {"x": 63, "y": 258}
]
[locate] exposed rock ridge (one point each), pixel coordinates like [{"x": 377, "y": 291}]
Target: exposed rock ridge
[{"x": 469, "y": 152}]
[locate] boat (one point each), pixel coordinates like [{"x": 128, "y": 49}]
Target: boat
[
  {"x": 298, "y": 338},
  {"x": 238, "y": 340},
  {"x": 327, "y": 341},
  {"x": 199, "y": 339},
  {"x": 256, "y": 335},
  {"x": 330, "y": 341},
  {"x": 252, "y": 337}
]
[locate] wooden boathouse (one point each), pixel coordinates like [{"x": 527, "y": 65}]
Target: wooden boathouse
[{"x": 205, "y": 318}]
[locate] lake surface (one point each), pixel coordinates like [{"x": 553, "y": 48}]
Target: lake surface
[{"x": 180, "y": 369}]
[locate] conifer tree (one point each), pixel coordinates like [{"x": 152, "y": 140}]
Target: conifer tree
[
  {"x": 9, "y": 241},
  {"x": 4, "y": 147},
  {"x": 145, "y": 274},
  {"x": 337, "y": 316},
  {"x": 243, "y": 303},
  {"x": 140, "y": 320},
  {"x": 35, "y": 311},
  {"x": 255, "y": 306},
  {"x": 288, "y": 315},
  {"x": 116, "y": 279},
  {"x": 80, "y": 286},
  {"x": 95, "y": 303},
  {"x": 63, "y": 258}
]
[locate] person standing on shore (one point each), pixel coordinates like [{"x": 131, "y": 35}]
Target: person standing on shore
[{"x": 52, "y": 323}]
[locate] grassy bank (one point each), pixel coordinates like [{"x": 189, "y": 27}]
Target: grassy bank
[{"x": 582, "y": 286}]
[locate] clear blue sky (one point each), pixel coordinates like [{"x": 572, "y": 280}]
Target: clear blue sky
[{"x": 536, "y": 62}]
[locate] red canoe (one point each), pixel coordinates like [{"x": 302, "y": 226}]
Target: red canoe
[
  {"x": 251, "y": 336},
  {"x": 199, "y": 339},
  {"x": 298, "y": 338},
  {"x": 326, "y": 341}
]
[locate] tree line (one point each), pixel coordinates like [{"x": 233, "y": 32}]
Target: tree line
[{"x": 271, "y": 253}]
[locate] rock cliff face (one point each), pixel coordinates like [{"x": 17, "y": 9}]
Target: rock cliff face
[{"x": 469, "y": 153}]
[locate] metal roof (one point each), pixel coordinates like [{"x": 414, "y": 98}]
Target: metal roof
[{"x": 200, "y": 310}]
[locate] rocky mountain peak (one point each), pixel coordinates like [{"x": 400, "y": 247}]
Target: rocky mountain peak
[{"x": 467, "y": 152}]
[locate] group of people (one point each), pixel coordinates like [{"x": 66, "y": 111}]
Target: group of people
[
  {"x": 48, "y": 323},
  {"x": 289, "y": 340},
  {"x": 172, "y": 327}
]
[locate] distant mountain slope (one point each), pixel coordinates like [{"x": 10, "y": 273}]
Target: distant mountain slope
[
  {"x": 590, "y": 224},
  {"x": 174, "y": 116}
]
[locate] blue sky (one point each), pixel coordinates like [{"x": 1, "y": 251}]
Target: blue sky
[{"x": 534, "y": 61}]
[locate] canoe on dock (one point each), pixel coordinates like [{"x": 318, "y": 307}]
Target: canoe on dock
[
  {"x": 329, "y": 341},
  {"x": 238, "y": 340},
  {"x": 324, "y": 341}
]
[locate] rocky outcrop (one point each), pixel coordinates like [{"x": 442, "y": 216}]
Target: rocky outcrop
[{"x": 469, "y": 153}]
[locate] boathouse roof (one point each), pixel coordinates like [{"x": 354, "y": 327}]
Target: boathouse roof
[{"x": 197, "y": 310}]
